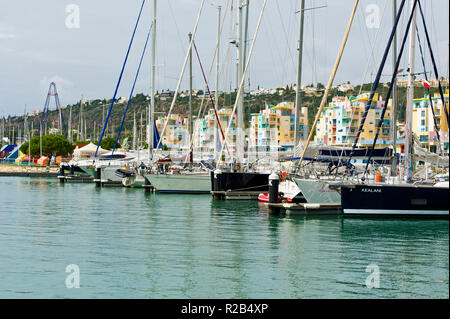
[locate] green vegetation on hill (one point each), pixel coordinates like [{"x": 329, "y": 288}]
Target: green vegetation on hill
[{"x": 95, "y": 111}]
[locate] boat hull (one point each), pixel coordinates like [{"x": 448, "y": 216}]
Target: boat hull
[
  {"x": 180, "y": 183},
  {"x": 394, "y": 200},
  {"x": 88, "y": 169},
  {"x": 231, "y": 181},
  {"x": 318, "y": 191}
]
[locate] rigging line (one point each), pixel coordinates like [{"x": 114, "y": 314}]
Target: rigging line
[
  {"x": 435, "y": 32},
  {"x": 243, "y": 76},
  {"x": 313, "y": 25},
  {"x": 120, "y": 78},
  {"x": 372, "y": 46},
  {"x": 215, "y": 53},
  {"x": 226, "y": 66},
  {"x": 285, "y": 33},
  {"x": 182, "y": 70},
  {"x": 361, "y": 19},
  {"x": 283, "y": 66},
  {"x": 131, "y": 93},
  {"x": 434, "y": 63},
  {"x": 377, "y": 80},
  {"x": 372, "y": 56},
  {"x": 380, "y": 123},
  {"x": 181, "y": 42},
  {"x": 428, "y": 89},
  {"x": 210, "y": 96}
]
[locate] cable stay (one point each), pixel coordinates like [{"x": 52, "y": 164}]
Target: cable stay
[
  {"x": 376, "y": 81},
  {"x": 131, "y": 93},
  {"x": 391, "y": 85},
  {"x": 212, "y": 101},
  {"x": 120, "y": 78},
  {"x": 428, "y": 91},
  {"x": 434, "y": 62}
]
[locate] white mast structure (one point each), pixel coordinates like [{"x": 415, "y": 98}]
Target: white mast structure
[
  {"x": 241, "y": 85},
  {"x": 410, "y": 96},
  {"x": 69, "y": 134},
  {"x": 134, "y": 131},
  {"x": 240, "y": 93},
  {"x": 299, "y": 74},
  {"x": 81, "y": 137},
  {"x": 216, "y": 94},
  {"x": 393, "y": 127},
  {"x": 190, "y": 123},
  {"x": 151, "y": 111}
]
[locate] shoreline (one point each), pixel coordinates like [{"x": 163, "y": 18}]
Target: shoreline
[{"x": 28, "y": 171}]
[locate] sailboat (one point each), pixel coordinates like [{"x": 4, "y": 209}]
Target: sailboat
[
  {"x": 319, "y": 190},
  {"x": 164, "y": 180},
  {"x": 234, "y": 177},
  {"x": 405, "y": 198}
]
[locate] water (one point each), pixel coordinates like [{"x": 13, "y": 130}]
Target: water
[{"x": 128, "y": 244}]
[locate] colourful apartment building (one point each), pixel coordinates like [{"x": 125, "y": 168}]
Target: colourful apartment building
[
  {"x": 176, "y": 135},
  {"x": 207, "y": 136},
  {"x": 339, "y": 122},
  {"x": 423, "y": 124},
  {"x": 273, "y": 128}
]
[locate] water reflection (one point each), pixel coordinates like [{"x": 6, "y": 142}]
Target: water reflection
[{"x": 131, "y": 244}]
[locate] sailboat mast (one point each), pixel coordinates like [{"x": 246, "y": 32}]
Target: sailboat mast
[
  {"x": 134, "y": 131},
  {"x": 240, "y": 106},
  {"x": 410, "y": 96},
  {"x": 70, "y": 124},
  {"x": 81, "y": 119},
  {"x": 190, "y": 100},
  {"x": 330, "y": 81},
  {"x": 151, "y": 112},
  {"x": 394, "y": 94},
  {"x": 299, "y": 74},
  {"x": 216, "y": 95}
]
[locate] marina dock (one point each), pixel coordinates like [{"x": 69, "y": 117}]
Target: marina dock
[
  {"x": 29, "y": 174},
  {"x": 28, "y": 171},
  {"x": 306, "y": 208},
  {"x": 236, "y": 195},
  {"x": 75, "y": 179}
]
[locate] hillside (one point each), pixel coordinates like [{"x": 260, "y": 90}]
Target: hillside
[{"x": 95, "y": 111}]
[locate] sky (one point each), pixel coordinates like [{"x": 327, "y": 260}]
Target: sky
[{"x": 81, "y": 45}]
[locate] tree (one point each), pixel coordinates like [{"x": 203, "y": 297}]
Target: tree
[
  {"x": 51, "y": 145},
  {"x": 108, "y": 143}
]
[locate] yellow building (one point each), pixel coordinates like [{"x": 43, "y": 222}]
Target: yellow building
[
  {"x": 423, "y": 124},
  {"x": 176, "y": 135},
  {"x": 339, "y": 122},
  {"x": 273, "y": 129},
  {"x": 207, "y": 136}
]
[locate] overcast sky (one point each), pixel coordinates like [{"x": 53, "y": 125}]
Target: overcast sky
[{"x": 40, "y": 42}]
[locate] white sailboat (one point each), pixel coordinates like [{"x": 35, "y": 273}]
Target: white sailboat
[{"x": 195, "y": 181}]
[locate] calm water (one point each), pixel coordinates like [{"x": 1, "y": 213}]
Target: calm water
[{"x": 131, "y": 245}]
